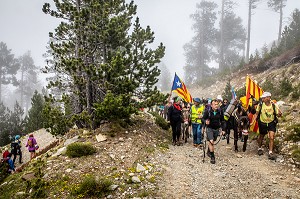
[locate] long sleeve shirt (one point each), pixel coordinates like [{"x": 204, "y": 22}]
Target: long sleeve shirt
[{"x": 216, "y": 119}]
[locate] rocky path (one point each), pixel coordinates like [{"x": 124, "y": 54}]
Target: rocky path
[
  {"x": 235, "y": 175},
  {"x": 43, "y": 138}
]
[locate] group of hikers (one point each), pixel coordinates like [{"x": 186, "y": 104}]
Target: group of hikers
[
  {"x": 210, "y": 118},
  {"x": 9, "y": 157}
]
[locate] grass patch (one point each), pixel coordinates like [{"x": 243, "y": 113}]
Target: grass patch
[
  {"x": 149, "y": 149},
  {"x": 160, "y": 121},
  {"x": 90, "y": 187},
  {"x": 79, "y": 149}
]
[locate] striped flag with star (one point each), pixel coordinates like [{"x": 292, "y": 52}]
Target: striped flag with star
[{"x": 180, "y": 88}]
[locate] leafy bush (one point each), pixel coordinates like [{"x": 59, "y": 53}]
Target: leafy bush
[
  {"x": 90, "y": 186},
  {"x": 160, "y": 121},
  {"x": 296, "y": 155},
  {"x": 79, "y": 149}
]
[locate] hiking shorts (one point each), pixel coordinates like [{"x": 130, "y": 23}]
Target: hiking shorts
[
  {"x": 212, "y": 134},
  {"x": 32, "y": 150},
  {"x": 264, "y": 128}
]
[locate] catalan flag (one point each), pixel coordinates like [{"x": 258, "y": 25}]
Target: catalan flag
[
  {"x": 252, "y": 90},
  {"x": 180, "y": 88}
]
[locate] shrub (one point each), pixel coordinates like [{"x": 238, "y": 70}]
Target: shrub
[
  {"x": 90, "y": 186},
  {"x": 160, "y": 121},
  {"x": 286, "y": 87},
  {"x": 294, "y": 135},
  {"x": 296, "y": 155},
  {"x": 3, "y": 171},
  {"x": 79, "y": 149}
]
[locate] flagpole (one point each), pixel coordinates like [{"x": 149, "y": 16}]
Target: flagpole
[{"x": 171, "y": 89}]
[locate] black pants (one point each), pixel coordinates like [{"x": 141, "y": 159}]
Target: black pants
[
  {"x": 176, "y": 129},
  {"x": 20, "y": 156}
]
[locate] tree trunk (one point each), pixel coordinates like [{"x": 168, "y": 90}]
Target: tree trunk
[
  {"x": 280, "y": 22},
  {"x": 249, "y": 30},
  {"x": 221, "y": 61},
  {"x": 22, "y": 88},
  {"x": 0, "y": 84}
]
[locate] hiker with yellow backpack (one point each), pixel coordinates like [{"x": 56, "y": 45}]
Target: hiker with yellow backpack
[{"x": 266, "y": 114}]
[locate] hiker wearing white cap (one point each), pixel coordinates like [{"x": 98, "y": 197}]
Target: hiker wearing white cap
[{"x": 266, "y": 114}]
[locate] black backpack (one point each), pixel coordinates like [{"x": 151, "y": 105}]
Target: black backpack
[{"x": 15, "y": 147}]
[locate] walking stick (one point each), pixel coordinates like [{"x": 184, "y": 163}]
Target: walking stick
[{"x": 204, "y": 147}]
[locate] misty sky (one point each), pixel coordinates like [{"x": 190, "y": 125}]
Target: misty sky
[{"x": 25, "y": 27}]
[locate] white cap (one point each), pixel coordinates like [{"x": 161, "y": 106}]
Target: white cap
[
  {"x": 266, "y": 94},
  {"x": 219, "y": 97}
]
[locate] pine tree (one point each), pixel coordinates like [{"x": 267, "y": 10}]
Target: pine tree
[
  {"x": 4, "y": 125},
  {"x": 9, "y": 67},
  {"x": 28, "y": 79},
  {"x": 94, "y": 49},
  {"x": 252, "y": 4},
  {"x": 227, "y": 94},
  {"x": 232, "y": 37},
  {"x": 35, "y": 118},
  {"x": 200, "y": 50},
  {"x": 277, "y": 6}
]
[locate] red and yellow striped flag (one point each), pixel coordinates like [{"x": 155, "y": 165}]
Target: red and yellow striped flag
[{"x": 252, "y": 91}]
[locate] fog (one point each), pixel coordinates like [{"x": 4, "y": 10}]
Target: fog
[{"x": 25, "y": 27}]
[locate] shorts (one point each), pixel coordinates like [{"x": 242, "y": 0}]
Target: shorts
[
  {"x": 264, "y": 128},
  {"x": 212, "y": 134},
  {"x": 32, "y": 150}
]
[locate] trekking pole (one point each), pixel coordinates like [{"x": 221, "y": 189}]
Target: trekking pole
[{"x": 204, "y": 147}]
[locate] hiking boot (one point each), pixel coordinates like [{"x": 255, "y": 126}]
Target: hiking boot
[
  {"x": 272, "y": 156},
  {"x": 212, "y": 160},
  {"x": 208, "y": 152},
  {"x": 260, "y": 152}
]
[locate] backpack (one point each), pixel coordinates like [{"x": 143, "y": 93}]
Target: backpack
[
  {"x": 274, "y": 112},
  {"x": 29, "y": 143},
  {"x": 14, "y": 147}
]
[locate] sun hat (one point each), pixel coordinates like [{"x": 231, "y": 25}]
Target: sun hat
[{"x": 266, "y": 94}]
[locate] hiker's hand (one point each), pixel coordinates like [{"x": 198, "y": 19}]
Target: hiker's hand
[
  {"x": 207, "y": 122},
  {"x": 223, "y": 133}
]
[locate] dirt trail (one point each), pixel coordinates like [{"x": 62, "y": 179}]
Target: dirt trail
[{"x": 235, "y": 175}]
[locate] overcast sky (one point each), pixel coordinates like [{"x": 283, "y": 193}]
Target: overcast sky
[{"x": 25, "y": 27}]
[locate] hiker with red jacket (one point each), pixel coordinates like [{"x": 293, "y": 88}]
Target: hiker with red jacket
[{"x": 32, "y": 146}]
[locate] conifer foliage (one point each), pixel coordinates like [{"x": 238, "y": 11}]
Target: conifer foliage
[{"x": 98, "y": 50}]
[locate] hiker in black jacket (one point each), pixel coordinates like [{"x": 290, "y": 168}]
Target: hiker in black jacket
[
  {"x": 214, "y": 121},
  {"x": 175, "y": 118}
]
